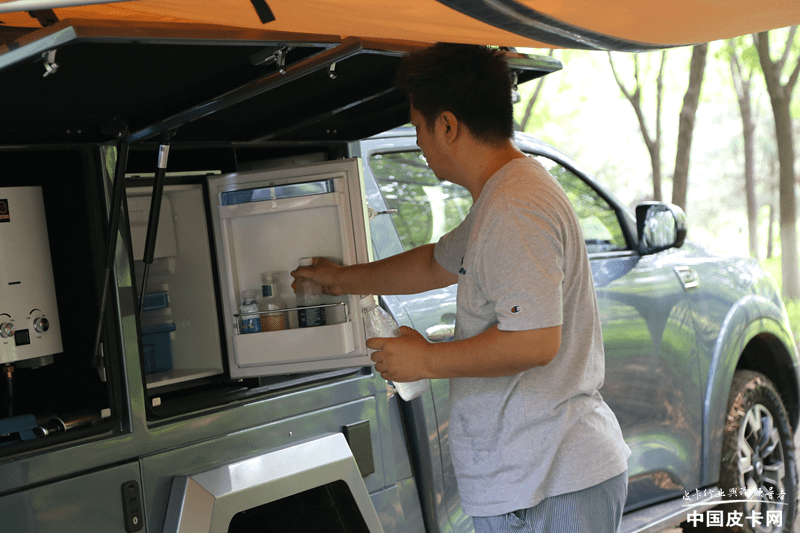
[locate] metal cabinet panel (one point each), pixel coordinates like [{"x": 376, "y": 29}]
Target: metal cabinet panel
[{"x": 92, "y": 502}]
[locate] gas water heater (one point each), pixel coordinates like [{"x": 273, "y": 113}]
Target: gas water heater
[{"x": 29, "y": 328}]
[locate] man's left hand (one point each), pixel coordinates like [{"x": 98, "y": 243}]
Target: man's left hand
[{"x": 401, "y": 359}]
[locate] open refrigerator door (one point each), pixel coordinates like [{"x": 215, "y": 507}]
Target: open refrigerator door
[{"x": 264, "y": 223}]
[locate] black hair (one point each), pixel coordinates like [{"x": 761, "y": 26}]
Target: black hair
[{"x": 470, "y": 81}]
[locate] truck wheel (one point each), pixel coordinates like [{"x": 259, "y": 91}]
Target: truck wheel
[{"x": 758, "y": 456}]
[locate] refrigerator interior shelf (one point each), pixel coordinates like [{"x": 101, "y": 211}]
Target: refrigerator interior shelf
[
  {"x": 294, "y": 345},
  {"x": 178, "y": 375},
  {"x": 285, "y": 309},
  {"x": 266, "y": 207}
]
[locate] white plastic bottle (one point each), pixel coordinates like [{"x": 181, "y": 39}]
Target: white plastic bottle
[
  {"x": 380, "y": 324},
  {"x": 309, "y": 295},
  {"x": 249, "y": 321},
  {"x": 271, "y": 301}
]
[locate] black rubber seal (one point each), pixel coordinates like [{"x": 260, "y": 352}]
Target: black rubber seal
[{"x": 511, "y": 16}]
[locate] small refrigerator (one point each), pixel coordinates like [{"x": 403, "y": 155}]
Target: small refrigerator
[
  {"x": 217, "y": 235},
  {"x": 264, "y": 222}
]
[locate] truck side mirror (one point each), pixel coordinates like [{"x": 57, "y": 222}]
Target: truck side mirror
[{"x": 660, "y": 227}]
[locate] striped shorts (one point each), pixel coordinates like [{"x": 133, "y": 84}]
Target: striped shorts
[{"x": 596, "y": 509}]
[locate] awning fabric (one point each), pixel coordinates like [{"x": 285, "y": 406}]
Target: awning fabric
[{"x": 630, "y": 25}]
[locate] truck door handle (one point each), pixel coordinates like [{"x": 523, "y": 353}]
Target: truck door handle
[
  {"x": 441, "y": 332},
  {"x": 372, "y": 213},
  {"x": 688, "y": 276}
]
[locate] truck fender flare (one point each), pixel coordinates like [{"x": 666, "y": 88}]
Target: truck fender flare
[{"x": 749, "y": 317}]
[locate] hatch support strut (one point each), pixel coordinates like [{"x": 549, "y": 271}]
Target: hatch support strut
[
  {"x": 322, "y": 61},
  {"x": 155, "y": 212},
  {"x": 117, "y": 195}
]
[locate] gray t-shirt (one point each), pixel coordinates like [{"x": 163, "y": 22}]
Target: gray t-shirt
[{"x": 522, "y": 264}]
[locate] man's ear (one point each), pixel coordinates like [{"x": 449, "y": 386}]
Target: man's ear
[{"x": 449, "y": 124}]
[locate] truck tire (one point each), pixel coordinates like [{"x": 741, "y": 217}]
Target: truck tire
[{"x": 758, "y": 453}]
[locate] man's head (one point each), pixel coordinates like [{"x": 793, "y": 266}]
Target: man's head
[{"x": 472, "y": 82}]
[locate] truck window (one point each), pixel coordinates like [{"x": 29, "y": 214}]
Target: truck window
[
  {"x": 601, "y": 228},
  {"x": 426, "y": 208}
]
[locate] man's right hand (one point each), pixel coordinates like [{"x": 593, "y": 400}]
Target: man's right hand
[
  {"x": 410, "y": 272},
  {"x": 324, "y": 273}
]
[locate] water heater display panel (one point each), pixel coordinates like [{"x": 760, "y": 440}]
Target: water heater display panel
[{"x": 29, "y": 325}]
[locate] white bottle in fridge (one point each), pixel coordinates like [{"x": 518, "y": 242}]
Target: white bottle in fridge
[
  {"x": 378, "y": 323},
  {"x": 309, "y": 295},
  {"x": 249, "y": 321},
  {"x": 271, "y": 301}
]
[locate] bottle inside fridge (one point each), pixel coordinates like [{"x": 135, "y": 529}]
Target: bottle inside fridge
[
  {"x": 265, "y": 222},
  {"x": 274, "y": 319}
]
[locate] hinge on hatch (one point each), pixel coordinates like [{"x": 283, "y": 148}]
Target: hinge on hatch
[
  {"x": 50, "y": 65},
  {"x": 269, "y": 56}
]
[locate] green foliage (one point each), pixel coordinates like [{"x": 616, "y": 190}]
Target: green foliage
[
  {"x": 744, "y": 48},
  {"x": 750, "y": 58},
  {"x": 773, "y": 268}
]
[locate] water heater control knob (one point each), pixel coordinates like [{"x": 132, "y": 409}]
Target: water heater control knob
[
  {"x": 41, "y": 324},
  {"x": 6, "y": 330}
]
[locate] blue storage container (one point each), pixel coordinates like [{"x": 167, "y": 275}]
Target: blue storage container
[
  {"x": 157, "y": 347},
  {"x": 155, "y": 300}
]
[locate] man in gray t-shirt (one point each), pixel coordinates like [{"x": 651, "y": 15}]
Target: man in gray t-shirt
[
  {"x": 533, "y": 444},
  {"x": 522, "y": 265}
]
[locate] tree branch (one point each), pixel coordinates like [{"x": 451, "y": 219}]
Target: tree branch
[
  {"x": 787, "y": 49},
  {"x": 619, "y": 82}
]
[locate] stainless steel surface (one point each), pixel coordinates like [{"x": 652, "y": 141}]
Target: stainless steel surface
[
  {"x": 86, "y": 502},
  {"x": 207, "y": 501},
  {"x": 6, "y": 330},
  {"x": 41, "y": 325},
  {"x": 259, "y": 441}
]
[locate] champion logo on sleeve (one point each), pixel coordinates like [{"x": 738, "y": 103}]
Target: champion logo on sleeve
[{"x": 516, "y": 309}]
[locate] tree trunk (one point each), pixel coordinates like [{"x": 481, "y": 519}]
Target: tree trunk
[
  {"x": 691, "y": 101},
  {"x": 741, "y": 85},
  {"x": 653, "y": 143},
  {"x": 790, "y": 266},
  {"x": 748, "y": 135},
  {"x": 769, "y": 230},
  {"x": 532, "y": 101},
  {"x": 780, "y": 97}
]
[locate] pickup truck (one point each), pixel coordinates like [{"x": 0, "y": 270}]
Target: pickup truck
[{"x": 149, "y": 177}]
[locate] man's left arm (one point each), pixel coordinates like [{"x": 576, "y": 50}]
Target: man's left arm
[{"x": 490, "y": 354}]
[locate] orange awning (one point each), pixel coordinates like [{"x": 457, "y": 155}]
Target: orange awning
[{"x": 589, "y": 24}]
